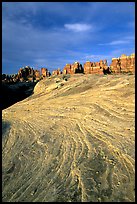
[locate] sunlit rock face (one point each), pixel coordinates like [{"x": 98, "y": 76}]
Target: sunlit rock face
[
  {"x": 95, "y": 67},
  {"x": 74, "y": 68},
  {"x": 123, "y": 64},
  {"x": 26, "y": 74},
  {"x": 45, "y": 72},
  {"x": 71, "y": 141},
  {"x": 56, "y": 72},
  {"x": 67, "y": 69}
]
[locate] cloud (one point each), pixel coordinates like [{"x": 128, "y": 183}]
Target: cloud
[
  {"x": 109, "y": 55},
  {"x": 78, "y": 27},
  {"x": 52, "y": 34},
  {"x": 44, "y": 47},
  {"x": 116, "y": 42},
  {"x": 98, "y": 57},
  {"x": 123, "y": 40}
]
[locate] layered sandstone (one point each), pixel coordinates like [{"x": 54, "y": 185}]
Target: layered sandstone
[
  {"x": 95, "y": 67},
  {"x": 26, "y": 73},
  {"x": 45, "y": 72},
  {"x": 73, "y": 143},
  {"x": 67, "y": 69},
  {"x": 74, "y": 68},
  {"x": 56, "y": 72},
  {"x": 37, "y": 75},
  {"x": 123, "y": 64}
]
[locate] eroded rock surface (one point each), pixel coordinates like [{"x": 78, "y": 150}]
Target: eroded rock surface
[
  {"x": 123, "y": 64},
  {"x": 72, "y": 143}
]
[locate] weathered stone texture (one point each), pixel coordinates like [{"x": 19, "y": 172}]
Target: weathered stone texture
[
  {"x": 37, "y": 74},
  {"x": 45, "y": 72},
  {"x": 56, "y": 72},
  {"x": 74, "y": 68},
  {"x": 95, "y": 67},
  {"x": 123, "y": 64},
  {"x": 67, "y": 69},
  {"x": 26, "y": 74}
]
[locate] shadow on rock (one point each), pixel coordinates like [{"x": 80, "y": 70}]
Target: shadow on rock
[
  {"x": 5, "y": 127},
  {"x": 15, "y": 93}
]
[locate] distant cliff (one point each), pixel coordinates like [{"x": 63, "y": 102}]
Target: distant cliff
[
  {"x": 123, "y": 64},
  {"x": 19, "y": 86}
]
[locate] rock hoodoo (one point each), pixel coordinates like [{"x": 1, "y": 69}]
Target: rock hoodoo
[
  {"x": 74, "y": 68},
  {"x": 45, "y": 72},
  {"x": 95, "y": 67},
  {"x": 123, "y": 64},
  {"x": 25, "y": 74},
  {"x": 56, "y": 72}
]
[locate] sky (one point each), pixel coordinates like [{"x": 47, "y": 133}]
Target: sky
[{"x": 53, "y": 34}]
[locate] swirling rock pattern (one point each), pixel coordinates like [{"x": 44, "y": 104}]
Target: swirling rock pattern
[{"x": 71, "y": 141}]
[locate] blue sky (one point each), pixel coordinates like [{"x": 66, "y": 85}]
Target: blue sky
[{"x": 52, "y": 34}]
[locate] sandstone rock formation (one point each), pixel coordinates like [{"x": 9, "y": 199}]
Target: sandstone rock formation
[
  {"x": 74, "y": 68},
  {"x": 37, "y": 75},
  {"x": 115, "y": 65},
  {"x": 67, "y": 69},
  {"x": 75, "y": 143},
  {"x": 45, "y": 72},
  {"x": 10, "y": 78},
  {"x": 95, "y": 67},
  {"x": 57, "y": 72},
  {"x": 15, "y": 88},
  {"x": 123, "y": 64},
  {"x": 26, "y": 73}
]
